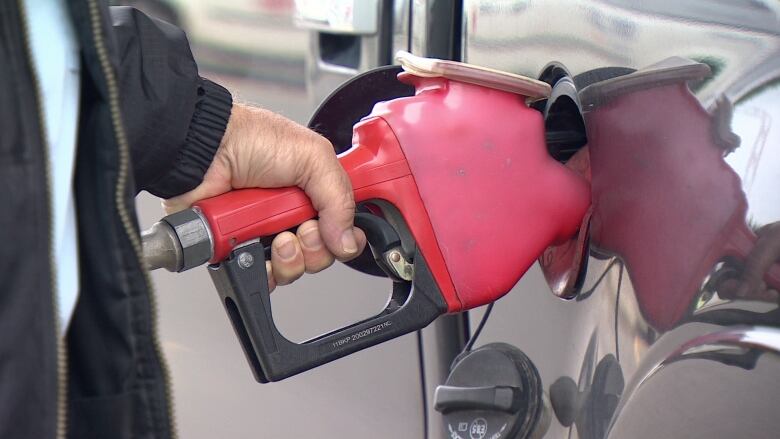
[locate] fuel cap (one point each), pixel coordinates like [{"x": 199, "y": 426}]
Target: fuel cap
[{"x": 493, "y": 392}]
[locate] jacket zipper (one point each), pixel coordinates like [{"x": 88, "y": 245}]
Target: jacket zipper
[
  {"x": 62, "y": 353},
  {"x": 119, "y": 198}
]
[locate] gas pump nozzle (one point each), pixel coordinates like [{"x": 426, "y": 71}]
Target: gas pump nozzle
[{"x": 463, "y": 199}]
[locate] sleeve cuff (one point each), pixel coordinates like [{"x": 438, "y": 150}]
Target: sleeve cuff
[{"x": 207, "y": 127}]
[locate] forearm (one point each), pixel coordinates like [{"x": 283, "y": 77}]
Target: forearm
[{"x": 174, "y": 120}]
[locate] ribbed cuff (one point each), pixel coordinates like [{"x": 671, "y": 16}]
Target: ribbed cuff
[{"x": 207, "y": 127}]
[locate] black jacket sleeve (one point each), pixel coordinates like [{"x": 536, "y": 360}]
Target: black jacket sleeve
[{"x": 174, "y": 119}]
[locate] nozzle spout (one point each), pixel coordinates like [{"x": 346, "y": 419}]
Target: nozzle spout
[
  {"x": 161, "y": 248},
  {"x": 178, "y": 242}
]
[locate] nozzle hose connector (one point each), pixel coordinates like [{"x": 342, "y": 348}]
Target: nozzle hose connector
[{"x": 178, "y": 242}]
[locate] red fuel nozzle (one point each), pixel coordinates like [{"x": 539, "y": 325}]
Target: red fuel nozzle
[{"x": 464, "y": 168}]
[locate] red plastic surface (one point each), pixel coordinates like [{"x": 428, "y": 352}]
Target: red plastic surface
[
  {"x": 468, "y": 169},
  {"x": 564, "y": 265},
  {"x": 378, "y": 171},
  {"x": 664, "y": 198},
  {"x": 495, "y": 197}
]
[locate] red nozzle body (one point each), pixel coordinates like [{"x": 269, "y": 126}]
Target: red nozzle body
[{"x": 467, "y": 168}]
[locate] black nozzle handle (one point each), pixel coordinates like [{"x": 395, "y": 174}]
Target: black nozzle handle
[{"x": 242, "y": 283}]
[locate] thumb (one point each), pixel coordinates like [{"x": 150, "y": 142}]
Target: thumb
[{"x": 330, "y": 191}]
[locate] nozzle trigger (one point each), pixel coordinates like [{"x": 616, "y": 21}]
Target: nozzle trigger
[{"x": 386, "y": 247}]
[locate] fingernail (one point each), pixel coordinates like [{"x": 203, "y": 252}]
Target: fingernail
[
  {"x": 286, "y": 250},
  {"x": 311, "y": 239},
  {"x": 348, "y": 241}
]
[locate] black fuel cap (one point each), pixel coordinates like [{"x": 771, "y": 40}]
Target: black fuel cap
[{"x": 493, "y": 392}]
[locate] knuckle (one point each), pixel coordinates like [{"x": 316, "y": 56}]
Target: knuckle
[
  {"x": 343, "y": 204},
  {"x": 323, "y": 145},
  {"x": 306, "y": 228},
  {"x": 320, "y": 150}
]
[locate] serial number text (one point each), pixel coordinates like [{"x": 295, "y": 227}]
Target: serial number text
[{"x": 361, "y": 334}]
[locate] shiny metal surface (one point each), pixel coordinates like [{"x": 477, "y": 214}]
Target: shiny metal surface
[
  {"x": 179, "y": 242},
  {"x": 331, "y": 62},
  {"x": 339, "y": 16},
  {"x": 740, "y": 38},
  {"x": 398, "y": 264},
  {"x": 161, "y": 248},
  {"x": 436, "y": 26},
  {"x": 420, "y": 35},
  {"x": 193, "y": 235},
  {"x": 401, "y": 25},
  {"x": 615, "y": 360}
]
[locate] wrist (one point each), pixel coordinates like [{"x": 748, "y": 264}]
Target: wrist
[{"x": 234, "y": 135}]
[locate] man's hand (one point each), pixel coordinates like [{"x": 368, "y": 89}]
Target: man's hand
[{"x": 263, "y": 149}]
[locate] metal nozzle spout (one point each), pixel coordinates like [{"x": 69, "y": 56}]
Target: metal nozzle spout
[
  {"x": 162, "y": 248},
  {"x": 178, "y": 242}
]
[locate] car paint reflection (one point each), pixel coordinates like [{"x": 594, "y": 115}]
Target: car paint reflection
[{"x": 684, "y": 239}]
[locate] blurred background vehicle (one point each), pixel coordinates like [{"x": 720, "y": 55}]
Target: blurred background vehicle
[
  {"x": 702, "y": 362},
  {"x": 250, "y": 45}
]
